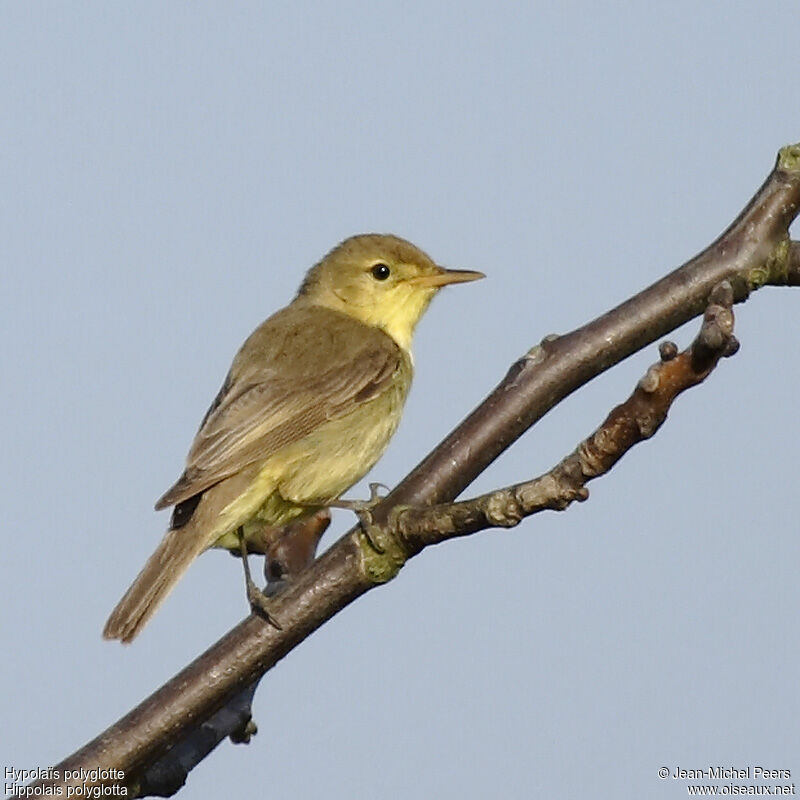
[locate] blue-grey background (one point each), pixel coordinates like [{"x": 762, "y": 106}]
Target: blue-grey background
[{"x": 169, "y": 170}]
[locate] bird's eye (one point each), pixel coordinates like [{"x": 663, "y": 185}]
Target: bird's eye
[{"x": 380, "y": 272}]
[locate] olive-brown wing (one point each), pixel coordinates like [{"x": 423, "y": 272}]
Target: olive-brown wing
[{"x": 283, "y": 393}]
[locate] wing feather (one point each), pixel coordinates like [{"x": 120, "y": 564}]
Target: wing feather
[{"x": 297, "y": 371}]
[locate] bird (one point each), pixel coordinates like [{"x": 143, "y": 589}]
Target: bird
[{"x": 309, "y": 405}]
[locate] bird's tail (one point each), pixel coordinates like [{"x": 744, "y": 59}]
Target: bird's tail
[{"x": 178, "y": 548}]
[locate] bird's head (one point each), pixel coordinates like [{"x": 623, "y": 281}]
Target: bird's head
[{"x": 381, "y": 280}]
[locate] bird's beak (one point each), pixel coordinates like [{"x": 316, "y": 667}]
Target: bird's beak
[{"x": 445, "y": 277}]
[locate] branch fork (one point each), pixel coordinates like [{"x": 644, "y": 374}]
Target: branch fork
[{"x": 410, "y": 529}]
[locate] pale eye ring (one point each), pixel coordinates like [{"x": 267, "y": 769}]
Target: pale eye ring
[{"x": 380, "y": 272}]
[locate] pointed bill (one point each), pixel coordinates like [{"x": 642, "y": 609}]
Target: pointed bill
[{"x": 446, "y": 277}]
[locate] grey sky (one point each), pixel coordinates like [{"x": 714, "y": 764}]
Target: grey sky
[{"x": 169, "y": 170}]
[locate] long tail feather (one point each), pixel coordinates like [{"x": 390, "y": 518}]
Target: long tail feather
[{"x": 163, "y": 570}]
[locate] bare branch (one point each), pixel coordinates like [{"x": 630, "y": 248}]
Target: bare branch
[
  {"x": 635, "y": 420},
  {"x": 753, "y": 251},
  {"x": 285, "y": 557}
]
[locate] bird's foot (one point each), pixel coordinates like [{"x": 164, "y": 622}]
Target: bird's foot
[
  {"x": 259, "y": 602},
  {"x": 363, "y": 510}
]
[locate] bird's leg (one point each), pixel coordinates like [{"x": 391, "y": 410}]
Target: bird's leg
[
  {"x": 257, "y": 599},
  {"x": 363, "y": 510}
]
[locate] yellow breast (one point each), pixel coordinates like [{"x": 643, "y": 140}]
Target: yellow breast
[{"x": 309, "y": 473}]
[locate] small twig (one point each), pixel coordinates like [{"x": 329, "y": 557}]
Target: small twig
[
  {"x": 169, "y": 773},
  {"x": 638, "y": 418}
]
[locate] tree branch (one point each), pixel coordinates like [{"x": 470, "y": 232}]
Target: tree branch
[
  {"x": 631, "y": 422},
  {"x": 754, "y": 251}
]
